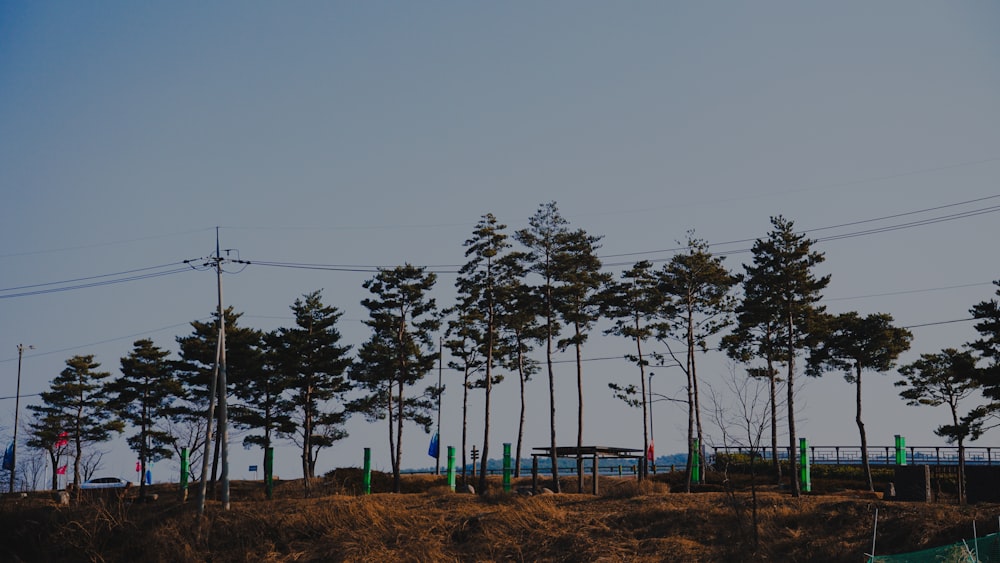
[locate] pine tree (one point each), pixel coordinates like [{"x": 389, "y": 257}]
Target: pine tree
[
  {"x": 77, "y": 400},
  {"x": 477, "y": 285},
  {"x": 543, "y": 238},
  {"x": 696, "y": 287},
  {"x": 263, "y": 407},
  {"x": 987, "y": 315},
  {"x": 634, "y": 304},
  {"x": 946, "y": 378},
  {"x": 400, "y": 352},
  {"x": 758, "y": 335},
  {"x": 312, "y": 364},
  {"x": 856, "y": 344},
  {"x": 782, "y": 266},
  {"x": 519, "y": 329},
  {"x": 146, "y": 393},
  {"x": 48, "y": 433},
  {"x": 579, "y": 270},
  {"x": 462, "y": 340}
]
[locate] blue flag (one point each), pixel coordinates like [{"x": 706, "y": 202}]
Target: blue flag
[
  {"x": 8, "y": 458},
  {"x": 433, "y": 449}
]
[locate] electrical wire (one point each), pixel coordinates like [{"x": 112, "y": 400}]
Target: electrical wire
[
  {"x": 97, "y": 284},
  {"x": 106, "y": 341},
  {"x": 961, "y": 215}
]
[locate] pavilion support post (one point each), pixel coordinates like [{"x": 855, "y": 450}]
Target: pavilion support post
[
  {"x": 596, "y": 471},
  {"x": 534, "y": 474}
]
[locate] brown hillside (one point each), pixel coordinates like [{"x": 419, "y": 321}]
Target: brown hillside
[{"x": 626, "y": 523}]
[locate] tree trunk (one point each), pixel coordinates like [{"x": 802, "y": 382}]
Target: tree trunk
[
  {"x": 694, "y": 386},
  {"x": 690, "y": 433},
  {"x": 307, "y": 431},
  {"x": 552, "y": 398},
  {"x": 644, "y": 467},
  {"x": 961, "y": 471},
  {"x": 579, "y": 416},
  {"x": 520, "y": 424},
  {"x": 864, "y": 436},
  {"x": 793, "y": 460},
  {"x": 396, "y": 479},
  {"x": 773, "y": 381},
  {"x": 391, "y": 406},
  {"x": 465, "y": 424},
  {"x": 484, "y": 467}
]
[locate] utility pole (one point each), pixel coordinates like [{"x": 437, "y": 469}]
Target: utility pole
[
  {"x": 17, "y": 412},
  {"x": 437, "y": 460},
  {"x": 217, "y": 388}
]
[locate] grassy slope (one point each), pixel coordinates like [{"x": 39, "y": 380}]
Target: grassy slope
[{"x": 428, "y": 523}]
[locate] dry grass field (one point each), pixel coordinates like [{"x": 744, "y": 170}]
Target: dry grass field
[{"x": 427, "y": 522}]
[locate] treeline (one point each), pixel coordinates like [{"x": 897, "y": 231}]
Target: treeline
[{"x": 521, "y": 297}]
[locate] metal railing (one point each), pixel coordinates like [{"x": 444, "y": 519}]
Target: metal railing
[{"x": 877, "y": 455}]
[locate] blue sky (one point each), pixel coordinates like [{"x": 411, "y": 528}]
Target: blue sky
[{"x": 378, "y": 133}]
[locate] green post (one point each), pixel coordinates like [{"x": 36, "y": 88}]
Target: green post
[
  {"x": 695, "y": 463},
  {"x": 366, "y": 485},
  {"x": 451, "y": 468},
  {"x": 900, "y": 450},
  {"x": 185, "y": 470},
  {"x": 506, "y": 467},
  {"x": 806, "y": 475},
  {"x": 269, "y": 473}
]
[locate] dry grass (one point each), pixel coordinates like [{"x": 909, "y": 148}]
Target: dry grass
[{"x": 629, "y": 522}]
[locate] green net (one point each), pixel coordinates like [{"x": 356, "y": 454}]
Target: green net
[{"x": 985, "y": 550}]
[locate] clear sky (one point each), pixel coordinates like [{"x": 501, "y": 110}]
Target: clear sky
[{"x": 377, "y": 133}]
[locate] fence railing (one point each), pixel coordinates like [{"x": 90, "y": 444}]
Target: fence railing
[{"x": 878, "y": 455}]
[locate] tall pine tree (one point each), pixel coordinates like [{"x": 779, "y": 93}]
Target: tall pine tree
[
  {"x": 696, "y": 288},
  {"x": 400, "y": 352},
  {"x": 857, "y": 344},
  {"x": 783, "y": 266},
  {"x": 579, "y": 270},
  {"x": 544, "y": 238},
  {"x": 312, "y": 364},
  {"x": 78, "y": 402},
  {"x": 145, "y": 394}
]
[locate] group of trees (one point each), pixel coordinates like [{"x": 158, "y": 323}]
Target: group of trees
[{"x": 549, "y": 290}]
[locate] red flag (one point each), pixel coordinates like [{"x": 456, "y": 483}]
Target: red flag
[
  {"x": 138, "y": 466},
  {"x": 649, "y": 452},
  {"x": 61, "y": 470},
  {"x": 63, "y": 440}
]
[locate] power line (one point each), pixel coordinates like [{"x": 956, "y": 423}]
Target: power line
[
  {"x": 960, "y": 215},
  {"x": 91, "y": 277},
  {"x": 367, "y": 269},
  {"x": 99, "y": 244},
  {"x": 453, "y": 268},
  {"x": 93, "y": 284},
  {"x": 909, "y": 291},
  {"x": 109, "y": 340}
]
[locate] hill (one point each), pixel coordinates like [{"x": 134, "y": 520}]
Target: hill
[{"x": 628, "y": 522}]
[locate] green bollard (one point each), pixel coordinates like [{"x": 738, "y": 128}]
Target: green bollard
[
  {"x": 805, "y": 473},
  {"x": 506, "y": 467},
  {"x": 366, "y": 485},
  {"x": 185, "y": 470},
  {"x": 900, "y": 450},
  {"x": 451, "y": 468},
  {"x": 695, "y": 463},
  {"x": 269, "y": 473}
]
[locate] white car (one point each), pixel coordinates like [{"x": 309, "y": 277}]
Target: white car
[{"x": 106, "y": 483}]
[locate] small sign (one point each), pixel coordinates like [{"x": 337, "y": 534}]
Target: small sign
[{"x": 253, "y": 468}]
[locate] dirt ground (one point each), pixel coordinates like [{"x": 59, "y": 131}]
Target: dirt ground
[{"x": 629, "y": 521}]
